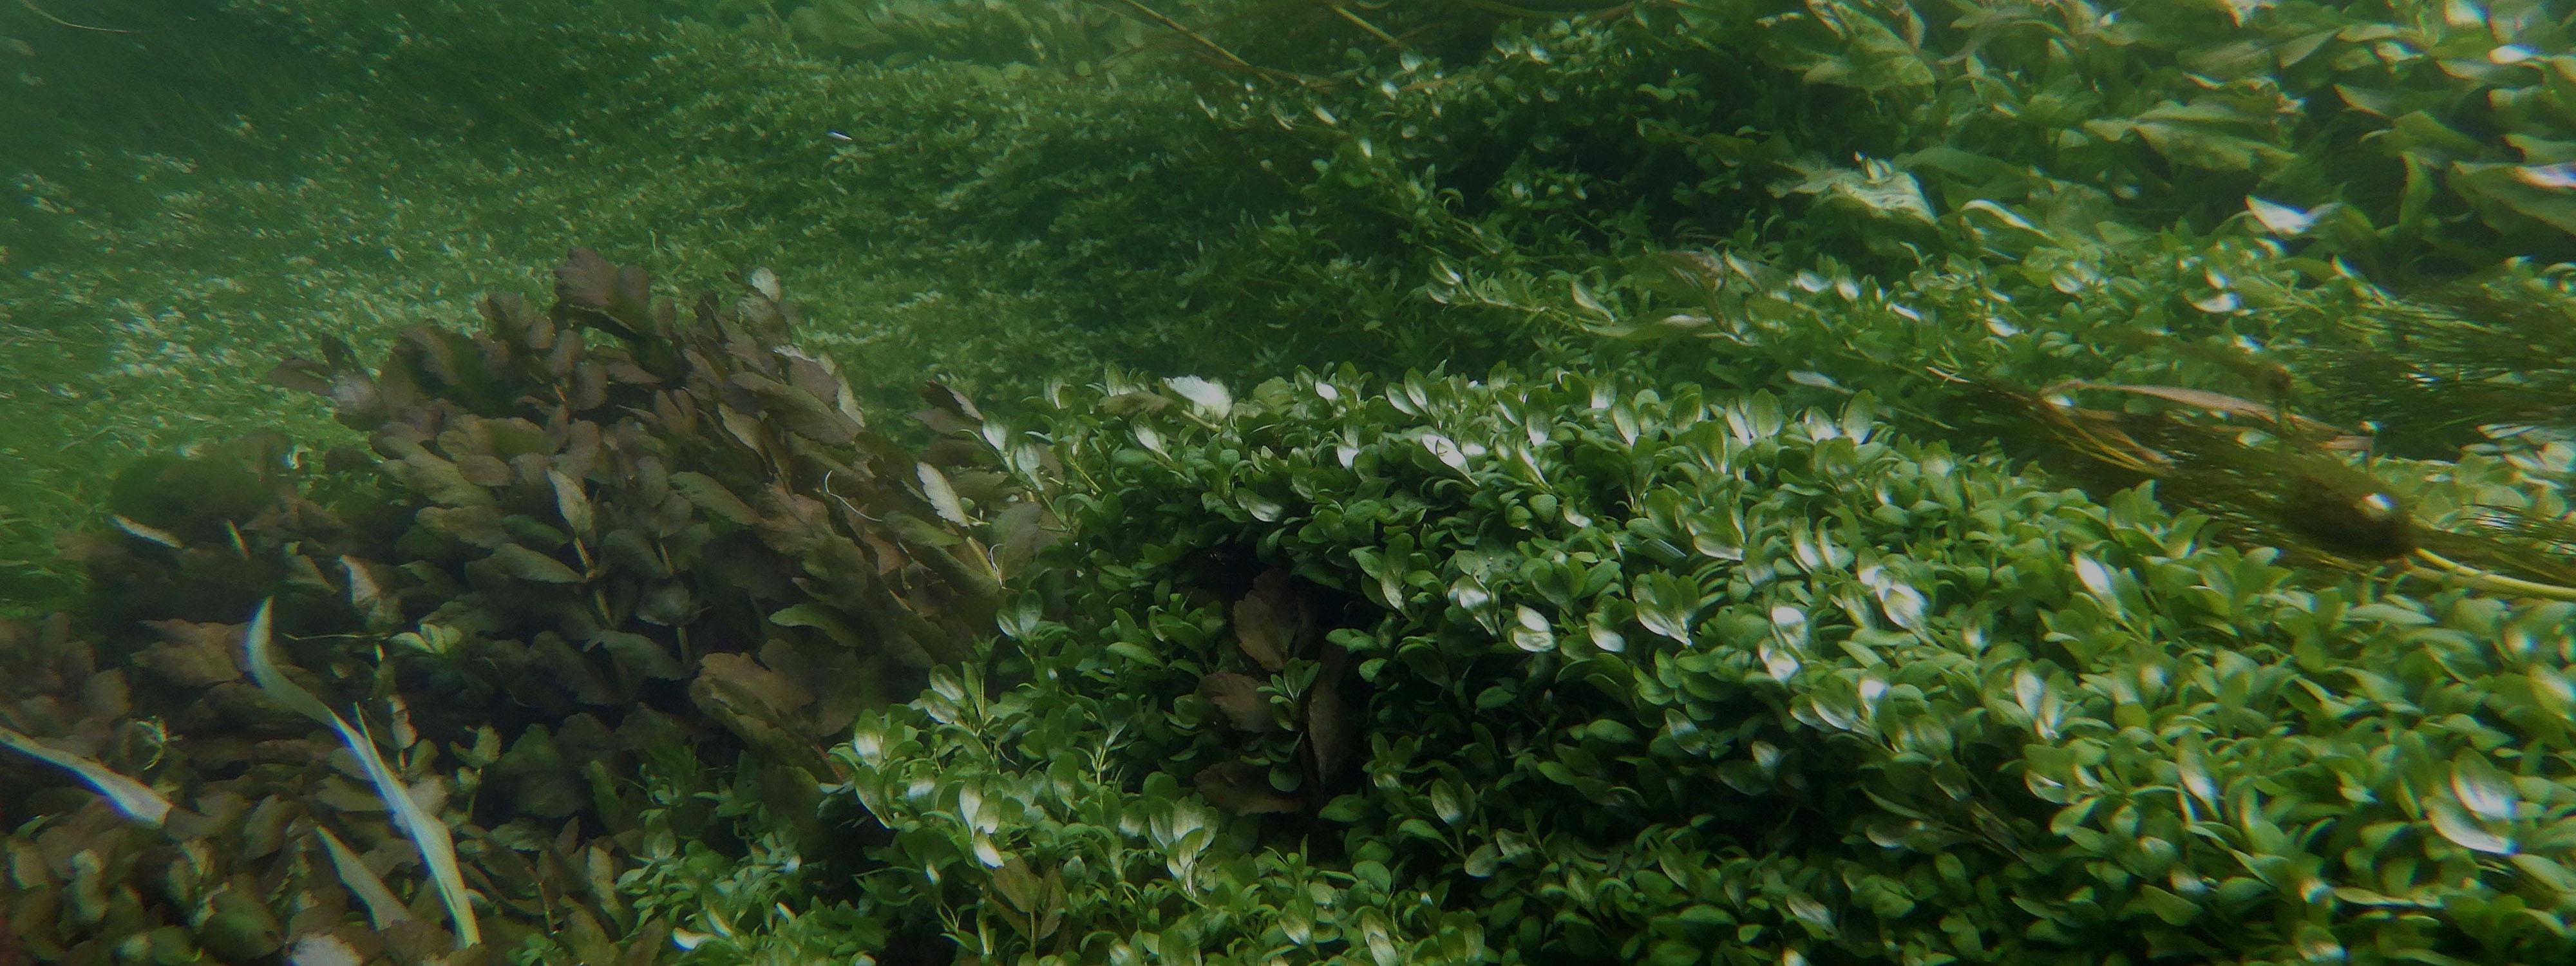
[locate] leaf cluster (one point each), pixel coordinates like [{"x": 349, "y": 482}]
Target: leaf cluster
[
  {"x": 271, "y": 843},
  {"x": 1649, "y": 675},
  {"x": 563, "y": 565}
]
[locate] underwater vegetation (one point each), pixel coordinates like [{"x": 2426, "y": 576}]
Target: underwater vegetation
[
  {"x": 525, "y": 595},
  {"x": 1556, "y": 667},
  {"x": 1701, "y": 481},
  {"x": 1645, "y": 675},
  {"x": 2278, "y": 483}
]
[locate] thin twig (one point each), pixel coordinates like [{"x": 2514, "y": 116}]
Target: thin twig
[
  {"x": 1367, "y": 26},
  {"x": 2492, "y": 581},
  {"x": 40, "y": 11},
  {"x": 1177, "y": 27}
]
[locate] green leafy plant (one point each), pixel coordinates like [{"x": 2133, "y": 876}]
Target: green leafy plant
[
  {"x": 1640, "y": 674},
  {"x": 1761, "y": 649}
]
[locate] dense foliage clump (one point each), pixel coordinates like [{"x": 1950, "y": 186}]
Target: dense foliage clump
[
  {"x": 1626, "y": 673},
  {"x": 562, "y": 566}
]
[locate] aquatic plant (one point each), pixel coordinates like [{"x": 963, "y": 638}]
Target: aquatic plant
[
  {"x": 137, "y": 800},
  {"x": 2436, "y": 371},
  {"x": 2275, "y": 479},
  {"x": 227, "y": 867},
  {"x": 1550, "y": 665},
  {"x": 427, "y": 832},
  {"x": 744, "y": 562},
  {"x": 1639, "y": 674},
  {"x": 1432, "y": 198},
  {"x": 1601, "y": 661}
]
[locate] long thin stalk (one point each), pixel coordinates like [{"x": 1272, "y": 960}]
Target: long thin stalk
[
  {"x": 1184, "y": 31},
  {"x": 1367, "y": 26},
  {"x": 2490, "y": 580},
  {"x": 40, "y": 11}
]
